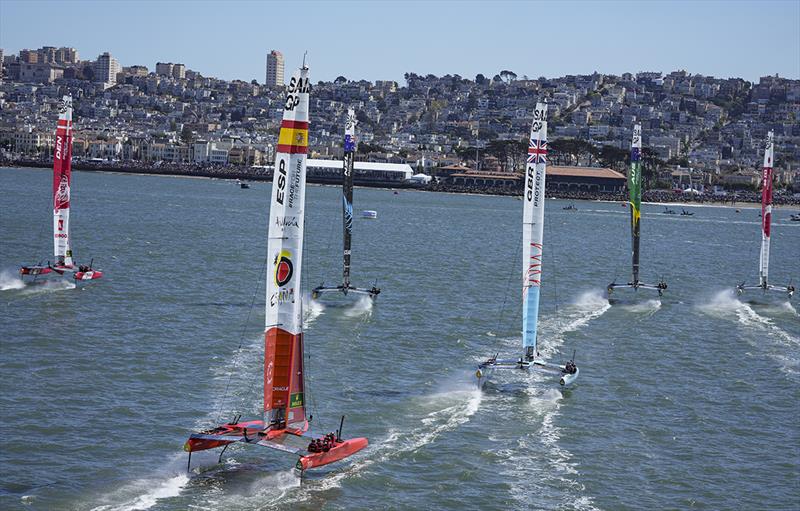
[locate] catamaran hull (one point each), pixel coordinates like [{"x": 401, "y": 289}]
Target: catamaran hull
[
  {"x": 487, "y": 369},
  {"x": 339, "y": 452},
  {"x": 84, "y": 276},
  {"x": 612, "y": 288},
  {"x": 772, "y": 295},
  {"x": 319, "y": 291}
]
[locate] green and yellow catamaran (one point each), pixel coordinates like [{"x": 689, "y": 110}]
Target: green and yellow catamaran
[{"x": 635, "y": 201}]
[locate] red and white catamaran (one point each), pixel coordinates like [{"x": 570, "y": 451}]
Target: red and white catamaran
[
  {"x": 766, "y": 224},
  {"x": 285, "y": 425},
  {"x": 62, "y": 177}
]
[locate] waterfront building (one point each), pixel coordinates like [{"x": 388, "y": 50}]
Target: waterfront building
[
  {"x": 584, "y": 179},
  {"x": 363, "y": 171},
  {"x": 105, "y": 70},
  {"x": 29, "y": 141},
  {"x": 275, "y": 69}
]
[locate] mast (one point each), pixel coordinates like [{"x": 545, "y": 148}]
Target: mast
[
  {"x": 533, "y": 228},
  {"x": 635, "y": 191},
  {"x": 62, "y": 177},
  {"x": 284, "y": 402},
  {"x": 347, "y": 190},
  {"x": 766, "y": 209}
]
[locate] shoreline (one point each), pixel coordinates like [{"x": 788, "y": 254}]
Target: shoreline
[{"x": 232, "y": 174}]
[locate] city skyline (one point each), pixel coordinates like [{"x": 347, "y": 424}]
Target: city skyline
[{"x": 353, "y": 40}]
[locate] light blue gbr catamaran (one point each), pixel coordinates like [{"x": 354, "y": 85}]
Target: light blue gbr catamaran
[{"x": 532, "y": 237}]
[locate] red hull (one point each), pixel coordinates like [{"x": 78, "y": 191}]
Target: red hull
[
  {"x": 88, "y": 275},
  {"x": 341, "y": 451},
  {"x": 235, "y": 431}
]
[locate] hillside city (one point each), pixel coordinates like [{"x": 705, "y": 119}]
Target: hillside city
[{"x": 696, "y": 129}]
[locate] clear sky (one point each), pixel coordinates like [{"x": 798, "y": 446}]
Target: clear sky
[{"x": 381, "y": 40}]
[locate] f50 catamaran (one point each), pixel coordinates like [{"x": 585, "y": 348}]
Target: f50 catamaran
[
  {"x": 766, "y": 222},
  {"x": 635, "y": 193},
  {"x": 62, "y": 177},
  {"x": 347, "y": 215},
  {"x": 532, "y": 242},
  {"x": 285, "y": 418}
]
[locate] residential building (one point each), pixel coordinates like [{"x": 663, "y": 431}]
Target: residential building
[
  {"x": 275, "y": 69},
  {"x": 164, "y": 68},
  {"x": 179, "y": 71},
  {"x": 39, "y": 73},
  {"x": 105, "y": 70}
]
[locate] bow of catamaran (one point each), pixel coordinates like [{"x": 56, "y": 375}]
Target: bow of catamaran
[{"x": 532, "y": 242}]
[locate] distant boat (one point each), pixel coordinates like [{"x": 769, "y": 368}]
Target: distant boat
[
  {"x": 635, "y": 191},
  {"x": 795, "y": 217},
  {"x": 62, "y": 180},
  {"x": 571, "y": 207},
  {"x": 369, "y": 213},
  {"x": 285, "y": 422},
  {"x": 766, "y": 221},
  {"x": 668, "y": 211},
  {"x": 347, "y": 215},
  {"x": 686, "y": 213},
  {"x": 242, "y": 184},
  {"x": 532, "y": 236}
]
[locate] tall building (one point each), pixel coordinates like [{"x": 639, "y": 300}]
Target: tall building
[
  {"x": 275, "y": 69},
  {"x": 179, "y": 71},
  {"x": 1, "y": 62},
  {"x": 105, "y": 70},
  {"x": 29, "y": 56},
  {"x": 67, "y": 55},
  {"x": 164, "y": 68}
]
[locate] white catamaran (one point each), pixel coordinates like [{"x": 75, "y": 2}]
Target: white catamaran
[
  {"x": 766, "y": 223},
  {"x": 635, "y": 193},
  {"x": 62, "y": 179},
  {"x": 347, "y": 215},
  {"x": 285, "y": 424},
  {"x": 532, "y": 242}
]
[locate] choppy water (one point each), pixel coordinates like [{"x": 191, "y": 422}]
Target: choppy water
[{"x": 689, "y": 402}]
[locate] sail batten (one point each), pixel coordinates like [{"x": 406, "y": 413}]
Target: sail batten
[
  {"x": 766, "y": 209},
  {"x": 62, "y": 180},
  {"x": 284, "y": 402},
  {"x": 635, "y": 194},
  {"x": 533, "y": 228}
]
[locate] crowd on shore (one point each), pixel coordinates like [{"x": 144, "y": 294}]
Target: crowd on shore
[{"x": 261, "y": 174}]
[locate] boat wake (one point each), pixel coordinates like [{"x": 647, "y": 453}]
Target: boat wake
[
  {"x": 313, "y": 310},
  {"x": 9, "y": 280},
  {"x": 438, "y": 414},
  {"x": 147, "y": 493},
  {"x": 647, "y": 307},
  {"x": 361, "y": 307},
  {"x": 557, "y": 482},
  {"x": 588, "y": 306},
  {"x": 725, "y": 305}
]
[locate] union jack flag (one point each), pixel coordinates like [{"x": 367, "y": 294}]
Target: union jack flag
[{"x": 537, "y": 151}]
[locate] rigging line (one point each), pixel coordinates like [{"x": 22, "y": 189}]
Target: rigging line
[
  {"x": 241, "y": 336},
  {"x": 501, "y": 312}
]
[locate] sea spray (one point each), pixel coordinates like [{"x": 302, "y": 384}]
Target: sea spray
[{"x": 10, "y": 280}]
